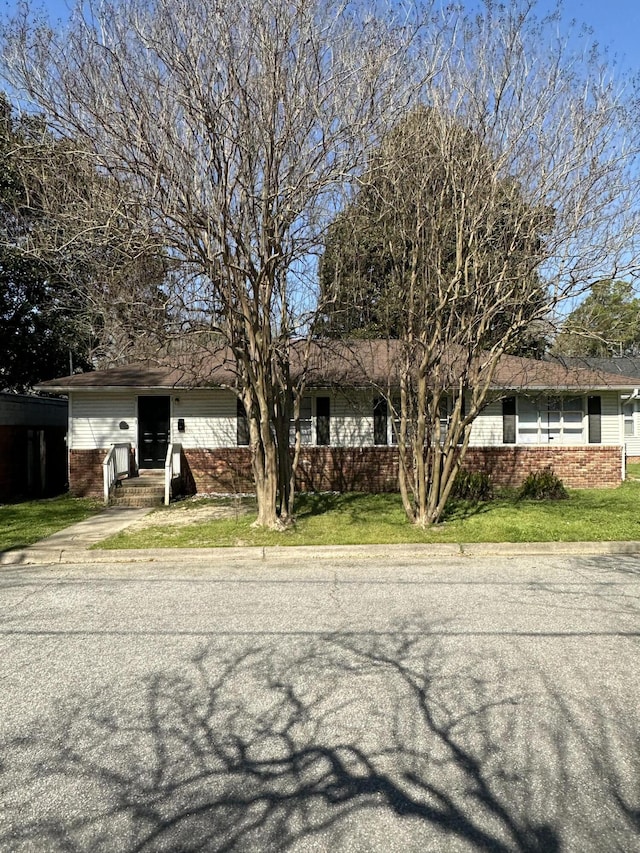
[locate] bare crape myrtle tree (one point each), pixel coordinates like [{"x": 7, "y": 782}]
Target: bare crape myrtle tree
[
  {"x": 488, "y": 207},
  {"x": 236, "y": 127}
]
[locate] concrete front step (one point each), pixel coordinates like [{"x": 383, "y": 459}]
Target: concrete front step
[
  {"x": 137, "y": 501},
  {"x": 145, "y": 490},
  {"x": 142, "y": 483}
]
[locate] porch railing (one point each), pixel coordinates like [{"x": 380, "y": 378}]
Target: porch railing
[
  {"x": 116, "y": 463},
  {"x": 171, "y": 469}
]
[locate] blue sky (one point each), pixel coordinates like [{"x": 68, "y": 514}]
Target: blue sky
[{"x": 615, "y": 23}]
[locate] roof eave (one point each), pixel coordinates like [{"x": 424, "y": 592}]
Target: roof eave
[{"x": 67, "y": 389}]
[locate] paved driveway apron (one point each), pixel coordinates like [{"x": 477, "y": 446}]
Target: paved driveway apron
[{"x": 461, "y": 705}]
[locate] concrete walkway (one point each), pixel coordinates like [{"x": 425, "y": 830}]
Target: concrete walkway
[
  {"x": 85, "y": 533},
  {"x": 72, "y": 544}
]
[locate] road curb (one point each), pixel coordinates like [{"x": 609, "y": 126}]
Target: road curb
[{"x": 311, "y": 553}]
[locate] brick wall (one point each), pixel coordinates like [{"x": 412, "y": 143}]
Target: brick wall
[
  {"x": 375, "y": 469},
  {"x": 368, "y": 469},
  {"x": 348, "y": 469},
  {"x": 226, "y": 470},
  {"x": 85, "y": 473},
  {"x": 592, "y": 466},
  {"x": 324, "y": 469}
]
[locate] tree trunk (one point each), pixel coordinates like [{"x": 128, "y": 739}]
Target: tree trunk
[
  {"x": 263, "y": 440},
  {"x": 264, "y": 462}
]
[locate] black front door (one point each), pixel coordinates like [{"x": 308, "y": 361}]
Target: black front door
[{"x": 153, "y": 431}]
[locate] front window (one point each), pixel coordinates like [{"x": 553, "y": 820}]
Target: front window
[
  {"x": 386, "y": 421},
  {"x": 306, "y": 423},
  {"x": 550, "y": 420},
  {"x": 380, "y": 435},
  {"x": 242, "y": 425},
  {"x": 628, "y": 410}
]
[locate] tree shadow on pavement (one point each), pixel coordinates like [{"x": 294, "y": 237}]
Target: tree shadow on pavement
[{"x": 367, "y": 742}]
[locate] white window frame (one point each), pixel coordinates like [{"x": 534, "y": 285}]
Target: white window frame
[
  {"x": 393, "y": 420},
  {"x": 561, "y": 430},
  {"x": 629, "y": 418},
  {"x": 307, "y": 424}
]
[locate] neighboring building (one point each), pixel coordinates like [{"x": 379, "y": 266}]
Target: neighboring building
[
  {"x": 617, "y": 366},
  {"x": 33, "y": 455},
  {"x": 540, "y": 414}
]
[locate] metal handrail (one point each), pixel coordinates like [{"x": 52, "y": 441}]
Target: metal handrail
[
  {"x": 171, "y": 469},
  {"x": 115, "y": 463}
]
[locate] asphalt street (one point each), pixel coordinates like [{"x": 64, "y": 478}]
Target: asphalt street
[{"x": 460, "y": 704}]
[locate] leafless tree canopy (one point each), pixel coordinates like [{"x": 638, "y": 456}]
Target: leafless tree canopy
[
  {"x": 237, "y": 129},
  {"x": 490, "y": 206}
]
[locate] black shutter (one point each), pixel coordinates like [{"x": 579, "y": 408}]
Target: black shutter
[
  {"x": 380, "y": 421},
  {"x": 594, "y": 410},
  {"x": 323, "y": 421},
  {"x": 509, "y": 420},
  {"x": 242, "y": 425}
]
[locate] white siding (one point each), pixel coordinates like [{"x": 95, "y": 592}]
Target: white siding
[
  {"x": 486, "y": 430},
  {"x": 611, "y": 422},
  {"x": 352, "y": 419},
  {"x": 632, "y": 445},
  {"x": 94, "y": 419},
  {"x": 209, "y": 418}
]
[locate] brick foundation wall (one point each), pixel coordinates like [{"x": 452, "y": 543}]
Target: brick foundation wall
[
  {"x": 592, "y": 466},
  {"x": 375, "y": 469},
  {"x": 85, "y": 473},
  {"x": 367, "y": 469},
  {"x": 348, "y": 469},
  {"x": 226, "y": 470},
  {"x": 339, "y": 469}
]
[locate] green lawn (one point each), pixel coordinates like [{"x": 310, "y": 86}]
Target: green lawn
[
  {"x": 27, "y": 522},
  {"x": 350, "y": 519},
  {"x": 633, "y": 470}
]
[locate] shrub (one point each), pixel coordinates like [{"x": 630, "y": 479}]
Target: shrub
[
  {"x": 543, "y": 485},
  {"x": 472, "y": 486}
]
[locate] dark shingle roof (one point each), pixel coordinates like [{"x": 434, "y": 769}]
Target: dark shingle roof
[
  {"x": 621, "y": 365},
  {"x": 342, "y": 363}
]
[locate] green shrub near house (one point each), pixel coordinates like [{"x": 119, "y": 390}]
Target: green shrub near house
[
  {"x": 543, "y": 485},
  {"x": 472, "y": 486}
]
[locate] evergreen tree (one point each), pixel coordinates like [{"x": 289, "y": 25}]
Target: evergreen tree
[
  {"x": 40, "y": 339},
  {"x": 81, "y": 278},
  {"x": 370, "y": 245},
  {"x": 606, "y": 323}
]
